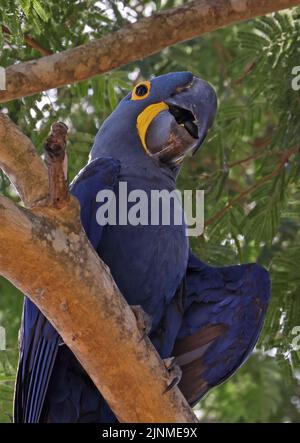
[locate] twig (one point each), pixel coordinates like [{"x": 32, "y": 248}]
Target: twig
[
  {"x": 35, "y": 45},
  {"x": 55, "y": 158},
  {"x": 30, "y": 41},
  {"x": 247, "y": 159},
  {"x": 227, "y": 166},
  {"x": 248, "y": 69},
  {"x": 285, "y": 157}
]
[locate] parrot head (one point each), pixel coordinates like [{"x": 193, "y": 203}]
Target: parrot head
[{"x": 160, "y": 120}]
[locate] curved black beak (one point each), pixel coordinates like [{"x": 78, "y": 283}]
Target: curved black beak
[
  {"x": 200, "y": 100},
  {"x": 182, "y": 123}
]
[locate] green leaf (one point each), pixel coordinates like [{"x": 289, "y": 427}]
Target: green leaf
[
  {"x": 111, "y": 94},
  {"x": 39, "y": 9},
  {"x": 25, "y": 5}
]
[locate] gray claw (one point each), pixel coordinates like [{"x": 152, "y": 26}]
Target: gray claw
[
  {"x": 169, "y": 363},
  {"x": 174, "y": 373}
]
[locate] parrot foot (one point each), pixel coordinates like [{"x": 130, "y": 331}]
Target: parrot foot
[
  {"x": 174, "y": 373},
  {"x": 143, "y": 320}
]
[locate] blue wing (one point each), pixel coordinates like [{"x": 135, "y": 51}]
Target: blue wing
[
  {"x": 100, "y": 174},
  {"x": 39, "y": 344},
  {"x": 224, "y": 311},
  {"x": 38, "y": 349}
]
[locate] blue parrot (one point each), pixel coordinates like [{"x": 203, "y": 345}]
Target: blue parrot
[{"x": 207, "y": 318}]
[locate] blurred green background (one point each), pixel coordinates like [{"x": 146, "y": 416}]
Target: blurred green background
[{"x": 250, "y": 159}]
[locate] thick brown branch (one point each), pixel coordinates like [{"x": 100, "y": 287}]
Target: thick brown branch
[
  {"x": 56, "y": 160},
  {"x": 132, "y": 43},
  {"x": 66, "y": 279},
  {"x": 63, "y": 275},
  {"x": 20, "y": 161}
]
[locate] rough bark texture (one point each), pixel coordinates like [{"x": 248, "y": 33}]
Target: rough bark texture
[
  {"x": 132, "y": 43},
  {"x": 19, "y": 160},
  {"x": 55, "y": 159},
  {"x": 62, "y": 274}
]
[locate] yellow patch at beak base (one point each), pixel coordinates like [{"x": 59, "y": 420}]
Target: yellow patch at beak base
[{"x": 145, "y": 118}]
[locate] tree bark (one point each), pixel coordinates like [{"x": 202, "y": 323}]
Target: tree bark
[
  {"x": 19, "y": 160},
  {"x": 45, "y": 253},
  {"x": 131, "y": 43}
]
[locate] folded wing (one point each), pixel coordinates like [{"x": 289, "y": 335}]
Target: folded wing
[{"x": 223, "y": 316}]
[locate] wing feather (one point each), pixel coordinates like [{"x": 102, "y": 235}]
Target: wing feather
[{"x": 223, "y": 317}]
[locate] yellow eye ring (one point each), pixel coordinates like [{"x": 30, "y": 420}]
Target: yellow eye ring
[{"x": 141, "y": 90}]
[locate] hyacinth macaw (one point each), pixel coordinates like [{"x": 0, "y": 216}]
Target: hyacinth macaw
[{"x": 208, "y": 318}]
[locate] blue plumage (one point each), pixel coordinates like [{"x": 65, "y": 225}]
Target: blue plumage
[
  {"x": 210, "y": 318},
  {"x": 234, "y": 298},
  {"x": 38, "y": 349}
]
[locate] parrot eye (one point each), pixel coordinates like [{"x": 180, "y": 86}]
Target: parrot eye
[{"x": 141, "y": 91}]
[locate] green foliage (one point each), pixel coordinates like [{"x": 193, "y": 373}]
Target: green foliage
[
  {"x": 254, "y": 395},
  {"x": 249, "y": 166},
  {"x": 10, "y": 312}
]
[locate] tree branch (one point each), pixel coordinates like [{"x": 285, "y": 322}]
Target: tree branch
[
  {"x": 65, "y": 278},
  {"x": 30, "y": 41},
  {"x": 20, "y": 161},
  {"x": 131, "y": 43},
  {"x": 56, "y": 161}
]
